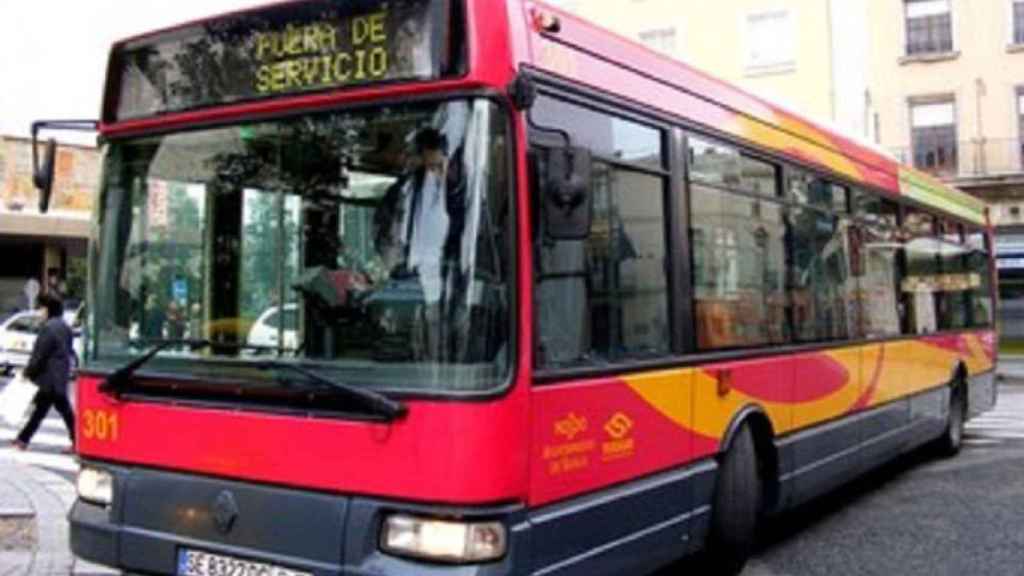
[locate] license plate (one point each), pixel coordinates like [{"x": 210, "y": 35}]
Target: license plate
[{"x": 196, "y": 563}]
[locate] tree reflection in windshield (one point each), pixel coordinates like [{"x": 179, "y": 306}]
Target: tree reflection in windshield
[{"x": 381, "y": 234}]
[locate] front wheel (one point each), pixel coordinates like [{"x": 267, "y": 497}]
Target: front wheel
[
  {"x": 952, "y": 438},
  {"x": 736, "y": 508}
]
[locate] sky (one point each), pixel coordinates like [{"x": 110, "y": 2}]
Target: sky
[{"x": 53, "y": 53}]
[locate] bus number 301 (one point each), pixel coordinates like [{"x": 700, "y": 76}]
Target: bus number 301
[{"x": 99, "y": 425}]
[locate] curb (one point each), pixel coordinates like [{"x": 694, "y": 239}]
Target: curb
[
  {"x": 46, "y": 495},
  {"x": 50, "y": 498},
  {"x": 16, "y": 513}
]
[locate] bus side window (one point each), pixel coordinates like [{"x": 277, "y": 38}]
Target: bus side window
[
  {"x": 878, "y": 268},
  {"x": 560, "y": 285},
  {"x": 738, "y": 239},
  {"x": 602, "y": 299}
]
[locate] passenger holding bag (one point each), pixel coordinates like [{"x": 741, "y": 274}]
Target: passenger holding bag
[
  {"x": 49, "y": 369},
  {"x": 16, "y": 400}
]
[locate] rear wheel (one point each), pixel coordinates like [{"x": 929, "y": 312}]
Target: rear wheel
[
  {"x": 736, "y": 508},
  {"x": 953, "y": 437}
]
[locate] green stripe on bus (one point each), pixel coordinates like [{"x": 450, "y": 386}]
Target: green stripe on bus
[{"x": 918, "y": 188}]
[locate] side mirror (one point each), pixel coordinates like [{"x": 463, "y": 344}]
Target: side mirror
[
  {"x": 43, "y": 174},
  {"x": 568, "y": 202}
]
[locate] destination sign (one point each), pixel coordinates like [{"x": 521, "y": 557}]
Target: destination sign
[{"x": 291, "y": 48}]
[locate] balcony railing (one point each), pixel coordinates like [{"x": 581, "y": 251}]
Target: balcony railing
[{"x": 968, "y": 159}]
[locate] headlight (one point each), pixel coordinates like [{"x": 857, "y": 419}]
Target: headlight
[
  {"x": 444, "y": 541},
  {"x": 95, "y": 486}
]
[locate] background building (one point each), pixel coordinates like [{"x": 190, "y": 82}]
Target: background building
[
  {"x": 805, "y": 54},
  {"x": 946, "y": 78},
  {"x": 34, "y": 244},
  {"x": 937, "y": 83}
]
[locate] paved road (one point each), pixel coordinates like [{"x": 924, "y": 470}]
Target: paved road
[
  {"x": 48, "y": 445},
  {"x": 920, "y": 516}
]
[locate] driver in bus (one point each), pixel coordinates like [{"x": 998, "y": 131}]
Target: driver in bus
[{"x": 418, "y": 227}]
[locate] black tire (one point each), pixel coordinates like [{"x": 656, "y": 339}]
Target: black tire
[
  {"x": 952, "y": 439},
  {"x": 736, "y": 508}
]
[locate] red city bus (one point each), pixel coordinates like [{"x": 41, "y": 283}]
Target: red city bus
[{"x": 444, "y": 287}]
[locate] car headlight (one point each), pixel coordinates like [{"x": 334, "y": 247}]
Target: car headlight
[
  {"x": 95, "y": 486},
  {"x": 444, "y": 541}
]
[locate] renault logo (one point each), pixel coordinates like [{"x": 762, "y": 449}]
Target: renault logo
[{"x": 225, "y": 511}]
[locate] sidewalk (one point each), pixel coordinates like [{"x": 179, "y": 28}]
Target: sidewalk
[{"x": 33, "y": 524}]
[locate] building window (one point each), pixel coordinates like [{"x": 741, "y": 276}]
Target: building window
[
  {"x": 770, "y": 41},
  {"x": 1018, "y": 21},
  {"x": 929, "y": 26},
  {"x": 662, "y": 40},
  {"x": 934, "y": 137}
]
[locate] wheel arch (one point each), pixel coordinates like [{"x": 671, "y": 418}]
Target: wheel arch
[{"x": 764, "y": 444}]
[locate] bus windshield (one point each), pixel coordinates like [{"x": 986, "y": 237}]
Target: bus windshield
[{"x": 374, "y": 243}]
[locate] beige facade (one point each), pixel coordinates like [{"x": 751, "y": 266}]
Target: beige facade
[
  {"x": 957, "y": 109},
  {"x": 848, "y": 61},
  {"x": 35, "y": 244},
  {"x": 76, "y": 177},
  {"x": 790, "y": 51},
  {"x": 979, "y": 80},
  {"x": 937, "y": 83}
]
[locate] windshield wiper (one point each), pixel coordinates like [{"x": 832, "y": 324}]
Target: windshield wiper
[
  {"x": 379, "y": 404},
  {"x": 122, "y": 377},
  {"x": 376, "y": 402}
]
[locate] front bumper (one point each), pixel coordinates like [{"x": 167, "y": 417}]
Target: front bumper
[
  {"x": 155, "y": 514},
  {"x": 14, "y": 359}
]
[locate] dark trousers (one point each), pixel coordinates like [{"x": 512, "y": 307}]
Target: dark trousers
[{"x": 45, "y": 400}]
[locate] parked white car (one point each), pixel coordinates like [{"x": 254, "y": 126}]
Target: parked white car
[
  {"x": 18, "y": 336},
  {"x": 266, "y": 331}
]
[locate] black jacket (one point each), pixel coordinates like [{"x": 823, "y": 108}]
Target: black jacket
[{"x": 49, "y": 366}]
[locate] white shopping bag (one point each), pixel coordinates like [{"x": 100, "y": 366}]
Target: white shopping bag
[{"x": 16, "y": 400}]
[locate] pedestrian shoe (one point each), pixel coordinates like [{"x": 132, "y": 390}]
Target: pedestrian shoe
[{"x": 18, "y": 445}]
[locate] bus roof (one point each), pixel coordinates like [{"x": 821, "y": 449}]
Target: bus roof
[
  {"x": 579, "y": 50},
  {"x": 585, "y": 53}
]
